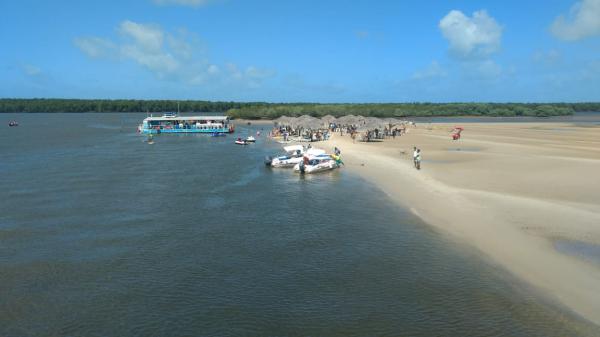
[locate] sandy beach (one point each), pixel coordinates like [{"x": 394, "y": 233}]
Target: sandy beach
[{"x": 509, "y": 190}]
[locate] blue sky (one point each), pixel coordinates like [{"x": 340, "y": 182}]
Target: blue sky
[{"x": 290, "y": 51}]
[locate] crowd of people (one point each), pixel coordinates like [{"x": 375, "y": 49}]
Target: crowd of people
[{"x": 287, "y": 132}]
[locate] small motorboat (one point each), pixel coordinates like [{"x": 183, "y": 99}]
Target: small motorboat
[
  {"x": 240, "y": 141},
  {"x": 316, "y": 164},
  {"x": 13, "y": 123},
  {"x": 250, "y": 139},
  {"x": 293, "y": 155}
]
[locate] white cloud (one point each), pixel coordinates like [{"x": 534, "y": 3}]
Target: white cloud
[
  {"x": 190, "y": 3},
  {"x": 176, "y": 57},
  {"x": 475, "y": 36},
  {"x": 362, "y": 34},
  {"x": 95, "y": 47},
  {"x": 434, "y": 70},
  {"x": 486, "y": 69},
  {"x": 549, "y": 57},
  {"x": 582, "y": 21},
  {"x": 147, "y": 37},
  {"x": 213, "y": 69},
  {"x": 31, "y": 70},
  {"x": 145, "y": 45},
  {"x": 251, "y": 77}
]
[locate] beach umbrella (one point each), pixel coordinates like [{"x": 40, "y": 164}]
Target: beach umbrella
[
  {"x": 310, "y": 123},
  {"x": 328, "y": 119},
  {"x": 348, "y": 120},
  {"x": 282, "y": 120}
]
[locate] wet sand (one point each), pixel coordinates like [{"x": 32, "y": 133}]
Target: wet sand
[{"x": 509, "y": 190}]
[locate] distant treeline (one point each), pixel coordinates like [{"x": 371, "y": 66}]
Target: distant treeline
[{"x": 259, "y": 110}]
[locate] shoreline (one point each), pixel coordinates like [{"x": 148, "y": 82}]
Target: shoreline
[{"x": 499, "y": 190}]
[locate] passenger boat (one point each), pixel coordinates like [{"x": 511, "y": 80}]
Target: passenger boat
[{"x": 172, "y": 123}]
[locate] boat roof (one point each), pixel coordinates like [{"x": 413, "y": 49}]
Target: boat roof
[
  {"x": 187, "y": 118},
  {"x": 293, "y": 148},
  {"x": 315, "y": 152}
]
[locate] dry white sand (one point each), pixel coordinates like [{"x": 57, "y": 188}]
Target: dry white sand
[{"x": 508, "y": 190}]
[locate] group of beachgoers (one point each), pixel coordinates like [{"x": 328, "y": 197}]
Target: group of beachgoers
[
  {"x": 289, "y": 133},
  {"x": 378, "y": 133}
]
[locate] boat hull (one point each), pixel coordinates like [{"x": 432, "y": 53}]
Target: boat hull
[
  {"x": 286, "y": 163},
  {"x": 156, "y": 131},
  {"x": 321, "y": 167}
]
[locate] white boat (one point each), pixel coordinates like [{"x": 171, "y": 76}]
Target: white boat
[
  {"x": 240, "y": 141},
  {"x": 293, "y": 155},
  {"x": 316, "y": 164},
  {"x": 250, "y": 139}
]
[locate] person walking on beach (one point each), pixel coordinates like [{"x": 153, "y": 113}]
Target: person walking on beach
[
  {"x": 415, "y": 153},
  {"x": 418, "y": 159}
]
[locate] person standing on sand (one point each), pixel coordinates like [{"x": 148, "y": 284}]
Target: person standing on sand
[
  {"x": 418, "y": 159},
  {"x": 415, "y": 153}
]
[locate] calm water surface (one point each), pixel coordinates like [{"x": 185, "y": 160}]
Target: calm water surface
[{"x": 104, "y": 235}]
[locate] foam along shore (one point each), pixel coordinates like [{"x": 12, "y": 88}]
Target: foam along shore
[{"x": 509, "y": 190}]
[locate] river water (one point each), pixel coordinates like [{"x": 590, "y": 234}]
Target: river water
[{"x": 102, "y": 234}]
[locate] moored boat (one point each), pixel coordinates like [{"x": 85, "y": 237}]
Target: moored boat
[
  {"x": 293, "y": 155},
  {"x": 316, "y": 164},
  {"x": 240, "y": 141},
  {"x": 250, "y": 139},
  {"x": 172, "y": 123}
]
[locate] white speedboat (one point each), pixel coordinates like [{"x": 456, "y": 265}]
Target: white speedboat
[
  {"x": 316, "y": 164},
  {"x": 250, "y": 139},
  {"x": 293, "y": 155}
]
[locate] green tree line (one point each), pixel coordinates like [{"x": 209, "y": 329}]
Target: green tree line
[{"x": 261, "y": 110}]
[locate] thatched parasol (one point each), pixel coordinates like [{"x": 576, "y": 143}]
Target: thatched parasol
[
  {"x": 328, "y": 119},
  {"x": 283, "y": 120}
]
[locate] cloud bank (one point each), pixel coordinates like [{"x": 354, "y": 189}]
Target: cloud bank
[
  {"x": 170, "y": 56},
  {"x": 582, "y": 21}
]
